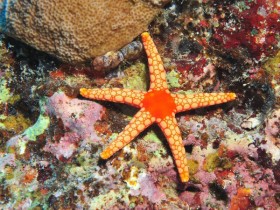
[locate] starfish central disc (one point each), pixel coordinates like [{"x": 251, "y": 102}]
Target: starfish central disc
[{"x": 164, "y": 106}]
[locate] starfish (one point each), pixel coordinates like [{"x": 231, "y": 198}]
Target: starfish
[{"x": 157, "y": 105}]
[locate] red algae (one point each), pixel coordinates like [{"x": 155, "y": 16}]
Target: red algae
[{"x": 257, "y": 33}]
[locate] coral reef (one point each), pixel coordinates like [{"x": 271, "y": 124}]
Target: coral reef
[
  {"x": 51, "y": 138},
  {"x": 76, "y": 31}
]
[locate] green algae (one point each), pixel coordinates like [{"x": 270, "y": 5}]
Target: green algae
[
  {"x": 80, "y": 172},
  {"x": 9, "y": 173},
  {"x": 152, "y": 137},
  {"x": 2, "y": 117},
  {"x": 84, "y": 159},
  {"x": 241, "y": 6},
  {"x": 5, "y": 94},
  {"x": 38, "y": 128},
  {"x": 135, "y": 77},
  {"x": 173, "y": 78}
]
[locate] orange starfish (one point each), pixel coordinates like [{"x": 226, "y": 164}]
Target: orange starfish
[{"x": 157, "y": 105}]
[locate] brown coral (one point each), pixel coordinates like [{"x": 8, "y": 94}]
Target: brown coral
[{"x": 75, "y": 31}]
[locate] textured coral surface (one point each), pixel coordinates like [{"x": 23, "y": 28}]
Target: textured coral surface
[
  {"x": 51, "y": 137},
  {"x": 76, "y": 31}
]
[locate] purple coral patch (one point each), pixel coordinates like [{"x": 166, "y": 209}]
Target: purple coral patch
[
  {"x": 78, "y": 117},
  {"x": 149, "y": 189}
]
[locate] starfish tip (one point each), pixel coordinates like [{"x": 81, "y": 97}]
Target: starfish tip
[
  {"x": 83, "y": 92},
  {"x": 185, "y": 179},
  {"x": 104, "y": 155},
  {"x": 145, "y": 35},
  {"x": 233, "y": 96}
]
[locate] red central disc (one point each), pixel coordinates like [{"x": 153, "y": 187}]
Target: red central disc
[{"x": 159, "y": 103}]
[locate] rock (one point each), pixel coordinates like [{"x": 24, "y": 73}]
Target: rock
[{"x": 75, "y": 31}]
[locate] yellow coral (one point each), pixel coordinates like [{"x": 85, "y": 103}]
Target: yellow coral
[
  {"x": 214, "y": 160},
  {"x": 16, "y": 123},
  {"x": 272, "y": 65}
]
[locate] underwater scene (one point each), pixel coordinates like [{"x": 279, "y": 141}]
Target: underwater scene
[{"x": 140, "y": 104}]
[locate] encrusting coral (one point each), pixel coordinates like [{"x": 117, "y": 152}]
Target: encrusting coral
[{"x": 75, "y": 31}]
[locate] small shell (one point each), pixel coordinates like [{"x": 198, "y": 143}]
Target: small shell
[
  {"x": 132, "y": 50},
  {"x": 108, "y": 61},
  {"x": 112, "y": 59}
]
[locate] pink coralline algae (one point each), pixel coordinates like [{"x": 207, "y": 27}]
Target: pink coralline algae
[
  {"x": 237, "y": 164},
  {"x": 272, "y": 128},
  {"x": 260, "y": 180},
  {"x": 272, "y": 144},
  {"x": 78, "y": 117},
  {"x": 65, "y": 147},
  {"x": 226, "y": 184},
  {"x": 6, "y": 159},
  {"x": 149, "y": 189}
]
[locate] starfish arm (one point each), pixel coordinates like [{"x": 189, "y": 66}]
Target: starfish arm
[
  {"x": 139, "y": 122},
  {"x": 173, "y": 135},
  {"x": 193, "y": 101},
  {"x": 127, "y": 96},
  {"x": 157, "y": 72}
]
